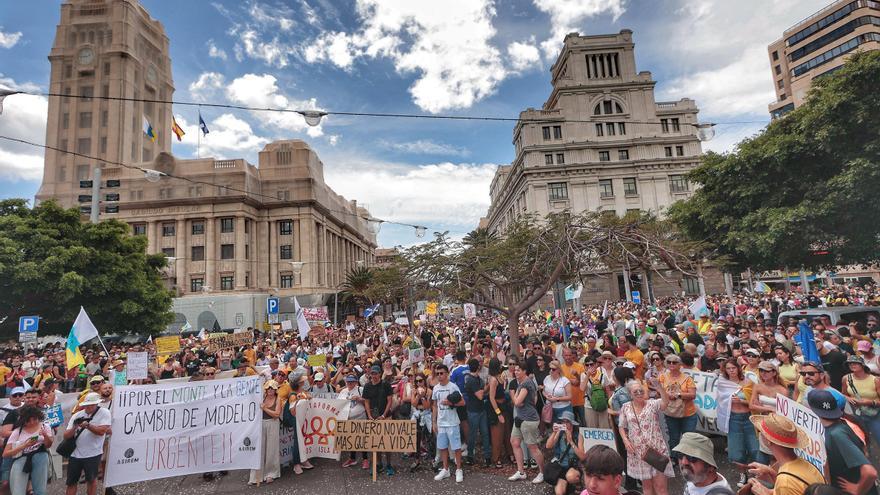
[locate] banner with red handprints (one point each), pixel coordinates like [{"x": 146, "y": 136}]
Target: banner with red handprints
[{"x": 316, "y": 421}]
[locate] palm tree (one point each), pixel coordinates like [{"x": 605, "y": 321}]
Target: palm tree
[
  {"x": 480, "y": 237},
  {"x": 357, "y": 282}
]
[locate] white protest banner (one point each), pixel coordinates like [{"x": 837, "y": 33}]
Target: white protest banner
[
  {"x": 724, "y": 390},
  {"x": 316, "y": 420},
  {"x": 807, "y": 421},
  {"x": 286, "y": 439},
  {"x": 598, "y": 436},
  {"x": 136, "y": 365},
  {"x": 706, "y": 400},
  {"x": 470, "y": 310},
  {"x": 287, "y": 325},
  {"x": 416, "y": 355},
  {"x": 175, "y": 429}
]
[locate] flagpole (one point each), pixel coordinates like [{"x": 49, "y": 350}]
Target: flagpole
[{"x": 199, "y": 137}]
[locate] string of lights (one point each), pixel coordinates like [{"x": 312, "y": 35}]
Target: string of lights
[
  {"x": 155, "y": 175},
  {"x": 313, "y": 117}
]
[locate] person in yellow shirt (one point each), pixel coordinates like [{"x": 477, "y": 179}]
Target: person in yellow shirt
[
  {"x": 250, "y": 354},
  {"x": 632, "y": 354},
  {"x": 245, "y": 368},
  {"x": 4, "y": 371},
  {"x": 572, "y": 370},
  {"x": 284, "y": 388},
  {"x": 791, "y": 475}
]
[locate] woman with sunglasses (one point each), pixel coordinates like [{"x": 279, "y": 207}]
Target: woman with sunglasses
[
  {"x": 862, "y": 391},
  {"x": 640, "y": 431},
  {"x": 742, "y": 442},
  {"x": 419, "y": 397},
  {"x": 652, "y": 376},
  {"x": 681, "y": 412},
  {"x": 272, "y": 408}
]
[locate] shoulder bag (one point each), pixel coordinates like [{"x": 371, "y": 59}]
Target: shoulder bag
[
  {"x": 68, "y": 445},
  {"x": 553, "y": 470},
  {"x": 866, "y": 411},
  {"x": 547, "y": 410},
  {"x": 654, "y": 458}
]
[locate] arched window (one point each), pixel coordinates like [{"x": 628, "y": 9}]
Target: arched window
[{"x": 607, "y": 107}]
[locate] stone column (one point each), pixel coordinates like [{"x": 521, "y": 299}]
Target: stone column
[
  {"x": 151, "y": 237},
  {"x": 240, "y": 261},
  {"x": 272, "y": 247},
  {"x": 180, "y": 252},
  {"x": 211, "y": 255},
  {"x": 261, "y": 246}
]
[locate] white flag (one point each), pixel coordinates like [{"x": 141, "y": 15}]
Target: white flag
[
  {"x": 3, "y": 94},
  {"x": 699, "y": 307},
  {"x": 301, "y": 322},
  {"x": 203, "y": 334}
]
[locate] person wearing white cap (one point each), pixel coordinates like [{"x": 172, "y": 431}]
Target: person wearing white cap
[
  {"x": 89, "y": 425},
  {"x": 320, "y": 386}
]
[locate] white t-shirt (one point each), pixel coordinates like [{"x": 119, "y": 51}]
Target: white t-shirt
[
  {"x": 446, "y": 415},
  {"x": 692, "y": 489},
  {"x": 88, "y": 444},
  {"x": 556, "y": 388},
  {"x": 356, "y": 410}
]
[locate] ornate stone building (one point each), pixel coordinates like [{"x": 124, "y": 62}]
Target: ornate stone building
[
  {"x": 233, "y": 232},
  {"x": 601, "y": 143}
]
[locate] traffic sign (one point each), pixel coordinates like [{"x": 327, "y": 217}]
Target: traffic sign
[
  {"x": 272, "y": 305},
  {"x": 637, "y": 297},
  {"x": 27, "y": 328}
]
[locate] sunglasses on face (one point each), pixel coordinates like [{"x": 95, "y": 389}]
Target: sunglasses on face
[
  {"x": 691, "y": 459},
  {"x": 672, "y": 362},
  {"x": 809, "y": 373},
  {"x": 441, "y": 372},
  {"x": 17, "y": 395},
  {"x": 656, "y": 359}
]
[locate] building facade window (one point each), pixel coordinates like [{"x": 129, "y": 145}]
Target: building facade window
[
  {"x": 775, "y": 55},
  {"x": 545, "y": 132},
  {"x": 227, "y": 225},
  {"x": 227, "y": 251},
  {"x": 168, "y": 252},
  {"x": 606, "y": 188},
  {"x": 664, "y": 125},
  {"x": 557, "y": 132},
  {"x": 548, "y": 159},
  {"x": 667, "y": 150},
  {"x": 227, "y": 282},
  {"x": 285, "y": 227},
  {"x": 139, "y": 229},
  {"x": 676, "y": 127},
  {"x": 85, "y": 120},
  {"x": 196, "y": 284},
  {"x": 198, "y": 227},
  {"x": 560, "y": 158},
  {"x": 778, "y": 70},
  {"x": 168, "y": 229},
  {"x": 629, "y": 187},
  {"x": 84, "y": 146},
  {"x": 197, "y": 253},
  {"x": 286, "y": 280},
  {"x": 604, "y": 156},
  {"x": 679, "y": 151},
  {"x": 623, "y": 154},
  {"x": 286, "y": 252},
  {"x": 678, "y": 183},
  {"x": 621, "y": 128},
  {"x": 557, "y": 191},
  {"x": 600, "y": 130},
  {"x": 691, "y": 285},
  {"x": 609, "y": 128}
]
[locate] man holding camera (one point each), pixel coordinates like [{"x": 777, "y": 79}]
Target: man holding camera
[{"x": 90, "y": 425}]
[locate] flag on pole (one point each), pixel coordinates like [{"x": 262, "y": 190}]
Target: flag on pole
[
  {"x": 186, "y": 327},
  {"x": 699, "y": 307},
  {"x": 176, "y": 129},
  {"x": 3, "y": 94},
  {"x": 371, "y": 310},
  {"x": 202, "y": 125},
  {"x": 81, "y": 332},
  {"x": 148, "y": 130},
  {"x": 807, "y": 342},
  {"x": 203, "y": 335},
  {"x": 301, "y": 323},
  {"x": 761, "y": 287},
  {"x": 605, "y": 310}
]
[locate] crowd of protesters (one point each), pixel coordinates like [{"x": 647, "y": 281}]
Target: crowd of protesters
[{"x": 619, "y": 365}]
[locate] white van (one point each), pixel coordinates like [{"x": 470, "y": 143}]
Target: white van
[{"x": 837, "y": 315}]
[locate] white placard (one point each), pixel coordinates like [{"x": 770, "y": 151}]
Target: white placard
[
  {"x": 175, "y": 429},
  {"x": 316, "y": 423},
  {"x": 136, "y": 365},
  {"x": 416, "y": 355},
  {"x": 598, "y": 436},
  {"x": 807, "y": 421},
  {"x": 286, "y": 325}
]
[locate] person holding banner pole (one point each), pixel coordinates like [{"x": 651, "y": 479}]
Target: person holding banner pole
[{"x": 270, "y": 460}]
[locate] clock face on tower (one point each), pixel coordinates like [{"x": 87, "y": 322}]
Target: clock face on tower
[{"x": 86, "y": 56}]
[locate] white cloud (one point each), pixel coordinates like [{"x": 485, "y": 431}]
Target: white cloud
[
  {"x": 216, "y": 52},
  {"x": 273, "y": 52},
  {"x": 447, "y": 47},
  {"x": 523, "y": 55},
  {"x": 277, "y": 18},
  {"x": 425, "y": 147},
  {"x": 206, "y": 85},
  {"x": 431, "y": 194},
  {"x": 229, "y": 137},
  {"x": 567, "y": 15},
  {"x": 8, "y": 40},
  {"x": 262, "y": 91},
  {"x": 24, "y": 117}
]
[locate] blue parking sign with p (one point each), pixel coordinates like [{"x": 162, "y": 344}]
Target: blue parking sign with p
[
  {"x": 272, "y": 306},
  {"x": 637, "y": 297},
  {"x": 28, "y": 324}
]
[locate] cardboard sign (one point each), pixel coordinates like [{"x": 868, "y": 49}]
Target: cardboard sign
[
  {"x": 317, "y": 360},
  {"x": 136, "y": 366},
  {"x": 431, "y": 308},
  {"x": 598, "y": 436},
  {"x": 181, "y": 428},
  {"x": 167, "y": 345},
  {"x": 807, "y": 421},
  {"x": 316, "y": 314},
  {"x": 416, "y": 355},
  {"x": 363, "y": 435},
  {"x": 227, "y": 341},
  {"x": 54, "y": 415}
]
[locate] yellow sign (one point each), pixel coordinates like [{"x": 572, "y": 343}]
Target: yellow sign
[
  {"x": 167, "y": 345},
  {"x": 317, "y": 360},
  {"x": 431, "y": 308},
  {"x": 362, "y": 435}
]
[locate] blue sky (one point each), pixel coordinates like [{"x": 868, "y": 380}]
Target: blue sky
[{"x": 455, "y": 57}]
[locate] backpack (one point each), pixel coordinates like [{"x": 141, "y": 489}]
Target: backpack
[
  {"x": 598, "y": 397},
  {"x": 288, "y": 419}
]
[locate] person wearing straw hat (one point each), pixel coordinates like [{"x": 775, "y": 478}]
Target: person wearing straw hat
[
  {"x": 848, "y": 466},
  {"x": 697, "y": 463},
  {"x": 791, "y": 475},
  {"x": 93, "y": 424}
]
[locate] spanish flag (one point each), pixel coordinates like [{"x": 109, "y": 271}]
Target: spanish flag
[{"x": 176, "y": 129}]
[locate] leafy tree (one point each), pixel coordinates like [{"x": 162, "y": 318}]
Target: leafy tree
[
  {"x": 513, "y": 270},
  {"x": 807, "y": 184},
  {"x": 51, "y": 264}
]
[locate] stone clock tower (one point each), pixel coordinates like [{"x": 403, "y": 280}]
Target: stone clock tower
[{"x": 104, "y": 49}]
